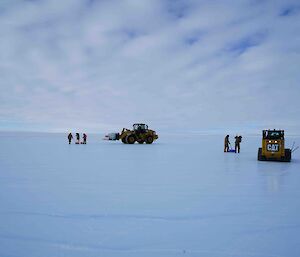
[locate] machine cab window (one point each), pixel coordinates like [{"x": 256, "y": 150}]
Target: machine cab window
[
  {"x": 273, "y": 134},
  {"x": 140, "y": 127}
]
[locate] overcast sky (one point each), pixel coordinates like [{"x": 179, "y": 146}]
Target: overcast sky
[{"x": 174, "y": 64}]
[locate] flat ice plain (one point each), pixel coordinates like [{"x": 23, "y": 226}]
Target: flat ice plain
[{"x": 181, "y": 196}]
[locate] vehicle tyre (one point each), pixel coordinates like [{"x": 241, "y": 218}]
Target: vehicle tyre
[
  {"x": 149, "y": 140},
  {"x": 259, "y": 156},
  {"x": 124, "y": 140},
  {"x": 130, "y": 139},
  {"x": 287, "y": 155}
]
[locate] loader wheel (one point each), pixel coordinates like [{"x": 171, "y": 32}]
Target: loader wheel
[
  {"x": 259, "y": 156},
  {"x": 130, "y": 139},
  {"x": 124, "y": 140},
  {"x": 287, "y": 155},
  {"x": 149, "y": 140}
]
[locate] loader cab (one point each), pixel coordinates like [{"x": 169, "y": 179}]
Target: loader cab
[
  {"x": 273, "y": 146},
  {"x": 140, "y": 127},
  {"x": 273, "y": 143},
  {"x": 273, "y": 134}
]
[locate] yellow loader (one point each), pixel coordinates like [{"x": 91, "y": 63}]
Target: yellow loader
[
  {"x": 140, "y": 133},
  {"x": 273, "y": 148}
]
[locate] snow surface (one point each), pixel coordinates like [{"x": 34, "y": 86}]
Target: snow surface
[{"x": 181, "y": 196}]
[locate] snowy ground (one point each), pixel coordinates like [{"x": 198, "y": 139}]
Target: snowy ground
[{"x": 181, "y": 196}]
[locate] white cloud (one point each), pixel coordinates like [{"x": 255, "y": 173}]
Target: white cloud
[{"x": 106, "y": 64}]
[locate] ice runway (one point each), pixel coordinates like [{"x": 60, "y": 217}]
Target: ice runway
[{"x": 181, "y": 196}]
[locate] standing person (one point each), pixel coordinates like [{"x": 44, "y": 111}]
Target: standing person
[
  {"x": 77, "y": 138},
  {"x": 84, "y": 138},
  {"x": 226, "y": 144},
  {"x": 70, "y": 137},
  {"x": 238, "y": 140}
]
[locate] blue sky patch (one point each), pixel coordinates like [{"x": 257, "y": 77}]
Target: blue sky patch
[
  {"x": 291, "y": 10},
  {"x": 244, "y": 44}
]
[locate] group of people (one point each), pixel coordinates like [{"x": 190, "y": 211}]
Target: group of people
[
  {"x": 237, "y": 147},
  {"x": 84, "y": 137}
]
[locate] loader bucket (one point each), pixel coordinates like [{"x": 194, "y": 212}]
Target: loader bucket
[{"x": 111, "y": 136}]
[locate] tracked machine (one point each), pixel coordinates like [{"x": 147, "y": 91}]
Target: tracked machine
[
  {"x": 273, "y": 147},
  {"x": 140, "y": 133}
]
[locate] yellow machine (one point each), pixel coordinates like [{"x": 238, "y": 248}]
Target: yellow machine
[
  {"x": 140, "y": 134},
  {"x": 273, "y": 148}
]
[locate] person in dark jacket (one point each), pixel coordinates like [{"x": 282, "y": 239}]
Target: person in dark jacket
[
  {"x": 77, "y": 138},
  {"x": 70, "y": 137},
  {"x": 84, "y": 136},
  {"x": 226, "y": 144},
  {"x": 238, "y": 140}
]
